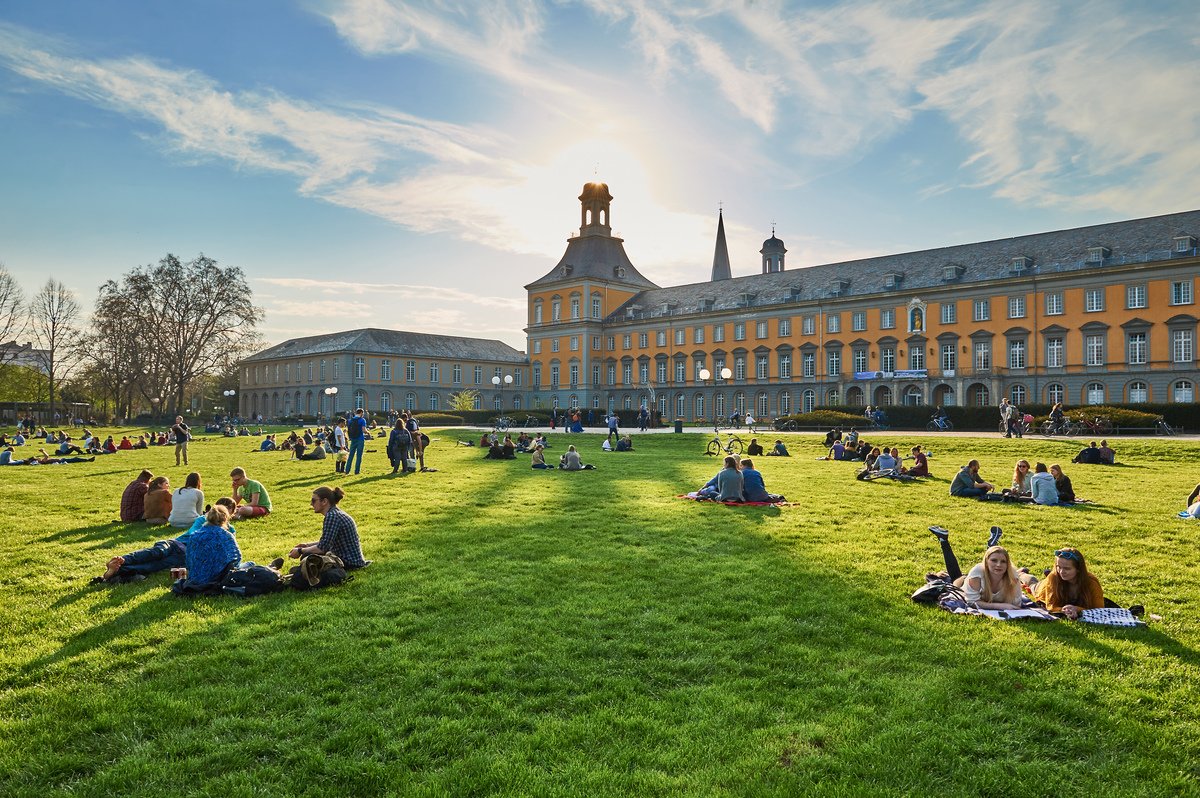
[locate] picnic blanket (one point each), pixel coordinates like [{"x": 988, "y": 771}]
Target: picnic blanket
[
  {"x": 697, "y": 498},
  {"x": 1031, "y": 613},
  {"x": 1111, "y": 616}
]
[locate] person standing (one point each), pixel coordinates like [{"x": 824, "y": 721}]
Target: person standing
[
  {"x": 399, "y": 447},
  {"x": 418, "y": 443},
  {"x": 1006, "y": 414},
  {"x": 613, "y": 422},
  {"x": 356, "y": 432},
  {"x": 181, "y": 434}
]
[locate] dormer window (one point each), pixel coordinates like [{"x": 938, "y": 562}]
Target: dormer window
[
  {"x": 669, "y": 307},
  {"x": 952, "y": 272},
  {"x": 839, "y": 287},
  {"x": 632, "y": 311},
  {"x": 706, "y": 304},
  {"x": 1098, "y": 254},
  {"x": 1021, "y": 264},
  {"x": 892, "y": 279},
  {"x": 794, "y": 295},
  {"x": 567, "y": 269},
  {"x": 618, "y": 271},
  {"x": 1184, "y": 244},
  {"x": 747, "y": 299}
]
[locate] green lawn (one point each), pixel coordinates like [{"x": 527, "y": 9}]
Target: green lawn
[{"x": 533, "y": 633}]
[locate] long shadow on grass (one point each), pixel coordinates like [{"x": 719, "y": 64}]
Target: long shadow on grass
[{"x": 113, "y": 532}]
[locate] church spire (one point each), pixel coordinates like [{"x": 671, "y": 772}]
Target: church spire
[{"x": 720, "y": 267}]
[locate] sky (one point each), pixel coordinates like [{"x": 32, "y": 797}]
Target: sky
[{"x": 412, "y": 165}]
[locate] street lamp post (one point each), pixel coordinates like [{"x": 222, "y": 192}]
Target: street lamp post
[
  {"x": 330, "y": 392},
  {"x": 508, "y": 381},
  {"x": 228, "y": 399},
  {"x": 705, "y": 376}
]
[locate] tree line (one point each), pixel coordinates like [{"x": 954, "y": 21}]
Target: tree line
[{"x": 155, "y": 337}]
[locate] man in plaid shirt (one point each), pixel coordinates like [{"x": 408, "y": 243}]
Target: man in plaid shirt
[
  {"x": 133, "y": 500},
  {"x": 339, "y": 533}
]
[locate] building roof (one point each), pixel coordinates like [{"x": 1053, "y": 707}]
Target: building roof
[
  {"x": 595, "y": 257},
  {"x": 720, "y": 267},
  {"x": 1058, "y": 252},
  {"x": 393, "y": 342}
]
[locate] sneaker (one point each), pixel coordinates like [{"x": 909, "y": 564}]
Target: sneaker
[
  {"x": 994, "y": 538},
  {"x": 277, "y": 563},
  {"x": 1137, "y": 610},
  {"x": 940, "y": 532}
]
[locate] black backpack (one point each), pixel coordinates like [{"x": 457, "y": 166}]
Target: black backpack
[
  {"x": 253, "y": 581},
  {"x": 319, "y": 570}
]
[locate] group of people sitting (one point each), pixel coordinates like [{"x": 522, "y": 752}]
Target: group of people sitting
[
  {"x": 887, "y": 462},
  {"x": 738, "y": 481},
  {"x": 149, "y": 498},
  {"x": 1041, "y": 485},
  {"x": 1096, "y": 455},
  {"x": 755, "y": 449}
]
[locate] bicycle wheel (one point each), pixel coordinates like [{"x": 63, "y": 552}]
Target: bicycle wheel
[
  {"x": 714, "y": 448},
  {"x": 1047, "y": 428},
  {"x": 932, "y": 426},
  {"x": 1104, "y": 426},
  {"x": 735, "y": 446}
]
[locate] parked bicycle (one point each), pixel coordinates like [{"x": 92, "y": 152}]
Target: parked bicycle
[
  {"x": 502, "y": 423},
  {"x": 786, "y": 425},
  {"x": 939, "y": 424},
  {"x": 1161, "y": 427},
  {"x": 1021, "y": 426},
  {"x": 530, "y": 421},
  {"x": 1051, "y": 427},
  {"x": 1098, "y": 425},
  {"x": 733, "y": 445}
]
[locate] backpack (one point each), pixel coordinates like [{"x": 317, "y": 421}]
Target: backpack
[
  {"x": 319, "y": 570},
  {"x": 254, "y": 580}
]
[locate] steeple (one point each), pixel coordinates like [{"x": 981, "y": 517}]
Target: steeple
[{"x": 720, "y": 269}]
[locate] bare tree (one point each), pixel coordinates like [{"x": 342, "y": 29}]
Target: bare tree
[
  {"x": 13, "y": 315},
  {"x": 53, "y": 313}
]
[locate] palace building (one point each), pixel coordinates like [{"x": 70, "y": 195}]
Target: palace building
[{"x": 1083, "y": 316}]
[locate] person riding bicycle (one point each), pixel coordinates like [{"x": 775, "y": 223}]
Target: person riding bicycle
[
  {"x": 1058, "y": 419},
  {"x": 733, "y": 419},
  {"x": 940, "y": 417},
  {"x": 880, "y": 418}
]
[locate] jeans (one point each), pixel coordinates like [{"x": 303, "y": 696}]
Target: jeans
[
  {"x": 162, "y": 555},
  {"x": 952, "y": 568},
  {"x": 356, "y": 453},
  {"x": 972, "y": 493}
]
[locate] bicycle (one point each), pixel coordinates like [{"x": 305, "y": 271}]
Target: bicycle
[
  {"x": 939, "y": 424},
  {"x": 1161, "y": 427},
  {"x": 530, "y": 421},
  {"x": 786, "y": 425},
  {"x": 733, "y": 446},
  {"x": 502, "y": 423},
  {"x": 1020, "y": 426},
  {"x": 1050, "y": 427},
  {"x": 1094, "y": 426}
]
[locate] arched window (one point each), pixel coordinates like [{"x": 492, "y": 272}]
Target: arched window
[
  {"x": 435, "y": 401},
  {"x": 385, "y": 402},
  {"x": 979, "y": 395},
  {"x": 477, "y": 403},
  {"x": 719, "y": 404},
  {"x": 739, "y": 403},
  {"x": 1017, "y": 394},
  {"x": 627, "y": 402},
  {"x": 497, "y": 404},
  {"x": 574, "y": 402},
  {"x": 1094, "y": 394},
  {"x": 943, "y": 396},
  {"x": 1139, "y": 392},
  {"x": 360, "y": 400},
  {"x": 764, "y": 405},
  {"x": 1055, "y": 393},
  {"x": 785, "y": 403},
  {"x": 1183, "y": 391},
  {"x": 516, "y": 402},
  {"x": 554, "y": 401},
  {"x": 913, "y": 395},
  {"x": 831, "y": 397},
  {"x": 299, "y": 408},
  {"x": 855, "y": 396},
  {"x": 698, "y": 406},
  {"x": 275, "y": 403},
  {"x": 680, "y": 405},
  {"x": 883, "y": 396},
  {"x": 808, "y": 400},
  {"x": 410, "y": 401}
]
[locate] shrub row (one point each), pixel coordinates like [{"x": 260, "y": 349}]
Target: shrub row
[{"x": 988, "y": 418}]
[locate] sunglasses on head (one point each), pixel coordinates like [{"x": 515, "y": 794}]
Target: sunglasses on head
[{"x": 1068, "y": 554}]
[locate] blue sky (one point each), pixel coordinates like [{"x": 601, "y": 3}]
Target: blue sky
[{"x": 413, "y": 164}]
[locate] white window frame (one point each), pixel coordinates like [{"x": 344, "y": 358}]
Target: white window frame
[
  {"x": 981, "y": 310},
  {"x": 1093, "y": 300},
  {"x": 1054, "y": 303}
]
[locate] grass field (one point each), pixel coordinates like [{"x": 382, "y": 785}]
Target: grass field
[{"x": 545, "y": 633}]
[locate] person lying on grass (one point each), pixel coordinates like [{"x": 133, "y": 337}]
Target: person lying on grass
[
  {"x": 753, "y": 486},
  {"x": 968, "y": 484},
  {"x": 162, "y": 555},
  {"x": 339, "y": 532},
  {"x": 257, "y": 502},
  {"x": 728, "y": 484},
  {"x": 1069, "y": 588},
  {"x": 990, "y": 585}
]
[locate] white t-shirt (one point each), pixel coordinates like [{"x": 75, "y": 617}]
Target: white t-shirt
[
  {"x": 339, "y": 438},
  {"x": 186, "y": 504}
]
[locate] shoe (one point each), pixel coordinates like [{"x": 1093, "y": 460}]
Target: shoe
[
  {"x": 940, "y": 532},
  {"x": 277, "y": 563},
  {"x": 1137, "y": 610},
  {"x": 994, "y": 538}
]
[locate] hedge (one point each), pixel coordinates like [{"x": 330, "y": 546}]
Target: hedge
[{"x": 987, "y": 419}]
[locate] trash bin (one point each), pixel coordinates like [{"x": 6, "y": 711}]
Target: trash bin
[{"x": 679, "y": 425}]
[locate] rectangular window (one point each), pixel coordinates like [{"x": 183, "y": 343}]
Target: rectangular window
[
  {"x": 410, "y": 371},
  {"x": 858, "y": 320},
  {"x": 385, "y": 370},
  {"x": 322, "y": 369},
  {"x": 697, "y": 335},
  {"x": 860, "y": 360},
  {"x": 833, "y": 323},
  {"x": 595, "y": 307},
  {"x": 537, "y": 376},
  {"x": 760, "y": 330},
  {"x": 718, "y": 365},
  {"x": 1016, "y": 307},
  {"x": 916, "y": 357},
  {"x": 627, "y": 341},
  {"x": 1135, "y": 349},
  {"x": 554, "y": 376},
  {"x": 808, "y": 325},
  {"x": 1094, "y": 350},
  {"x": 627, "y": 374},
  {"x": 785, "y": 367},
  {"x": 1054, "y": 303},
  {"x": 537, "y": 347},
  {"x": 1056, "y": 352},
  {"x": 1016, "y": 354},
  {"x": 739, "y": 367},
  {"x": 760, "y": 367},
  {"x": 785, "y": 328},
  {"x": 360, "y": 368},
  {"x": 679, "y": 336},
  {"x": 887, "y": 358},
  {"x": 983, "y": 355},
  {"x": 478, "y": 375},
  {"x": 949, "y": 313},
  {"x": 680, "y": 371},
  {"x": 1181, "y": 346},
  {"x": 596, "y": 343},
  {"x": 643, "y": 340},
  {"x": 808, "y": 364},
  {"x": 983, "y": 309},
  {"x": 718, "y": 333},
  {"x": 537, "y": 313},
  {"x": 556, "y": 310},
  {"x": 1135, "y": 297},
  {"x": 612, "y": 375},
  {"x": 887, "y": 319},
  {"x": 1093, "y": 300},
  {"x": 336, "y": 368},
  {"x": 596, "y": 375},
  {"x": 1181, "y": 292},
  {"x": 739, "y": 331},
  {"x": 834, "y": 362},
  {"x": 517, "y": 377},
  {"x": 457, "y": 374},
  {"x": 644, "y": 373},
  {"x": 553, "y": 344},
  {"x": 435, "y": 372},
  {"x": 574, "y": 343},
  {"x": 612, "y": 343},
  {"x": 660, "y": 338},
  {"x": 949, "y": 357},
  {"x": 574, "y": 308}
]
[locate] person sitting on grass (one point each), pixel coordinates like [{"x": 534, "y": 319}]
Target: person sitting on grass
[
  {"x": 268, "y": 444},
  {"x": 125, "y": 443},
  {"x": 133, "y": 498},
  {"x": 836, "y": 452},
  {"x": 754, "y": 449},
  {"x": 1090, "y": 456},
  {"x": 508, "y": 449},
  {"x": 1062, "y": 483},
  {"x": 1069, "y": 588},
  {"x": 1042, "y": 489},
  {"x": 538, "y": 458},
  {"x": 968, "y": 484},
  {"x": 832, "y": 436},
  {"x": 1022, "y": 487},
  {"x": 158, "y": 501},
  {"x": 625, "y": 444},
  {"x": 210, "y": 553},
  {"x": 66, "y": 447},
  {"x": 315, "y": 452},
  {"x": 993, "y": 584},
  {"x": 524, "y": 442},
  {"x": 110, "y": 446},
  {"x": 187, "y": 503},
  {"x": 540, "y": 440},
  {"x": 920, "y": 466},
  {"x": 162, "y": 555},
  {"x": 571, "y": 461},
  {"x": 886, "y": 461},
  {"x": 141, "y": 443},
  {"x": 727, "y": 484},
  {"x": 753, "y": 486},
  {"x": 257, "y": 502},
  {"x": 1107, "y": 454},
  {"x": 339, "y": 532},
  {"x": 778, "y": 450}
]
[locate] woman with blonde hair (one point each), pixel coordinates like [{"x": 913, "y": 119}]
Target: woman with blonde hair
[
  {"x": 1022, "y": 481},
  {"x": 992, "y": 584},
  {"x": 212, "y": 551}
]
